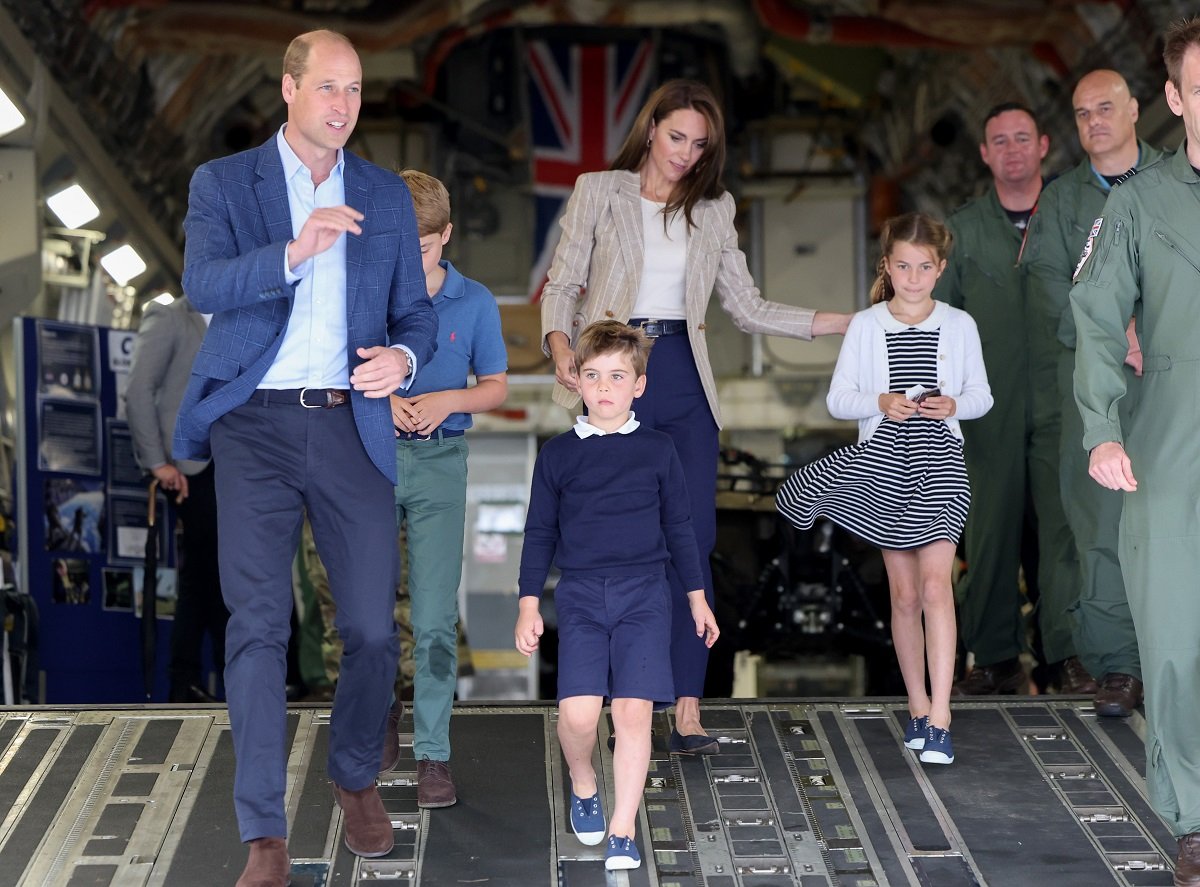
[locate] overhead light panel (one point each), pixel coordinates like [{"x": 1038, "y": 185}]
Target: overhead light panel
[
  {"x": 123, "y": 264},
  {"x": 73, "y": 207},
  {"x": 10, "y": 118}
]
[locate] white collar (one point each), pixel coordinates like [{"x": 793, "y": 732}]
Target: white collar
[
  {"x": 890, "y": 324},
  {"x": 586, "y": 429}
]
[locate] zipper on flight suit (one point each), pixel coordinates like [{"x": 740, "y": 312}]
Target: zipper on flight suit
[{"x": 1175, "y": 249}]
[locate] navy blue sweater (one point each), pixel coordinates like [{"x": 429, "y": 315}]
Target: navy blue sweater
[{"x": 608, "y": 505}]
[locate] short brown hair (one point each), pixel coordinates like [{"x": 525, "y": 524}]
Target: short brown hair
[
  {"x": 1180, "y": 36},
  {"x": 431, "y": 201},
  {"x": 295, "y": 60},
  {"x": 609, "y": 336}
]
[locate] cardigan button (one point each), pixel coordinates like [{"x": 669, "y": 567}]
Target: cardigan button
[
  {"x": 701, "y": 327},
  {"x": 609, "y": 314}
]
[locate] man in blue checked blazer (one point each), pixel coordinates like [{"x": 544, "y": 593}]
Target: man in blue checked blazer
[{"x": 308, "y": 259}]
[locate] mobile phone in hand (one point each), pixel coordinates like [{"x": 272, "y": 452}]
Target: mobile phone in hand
[{"x": 932, "y": 392}]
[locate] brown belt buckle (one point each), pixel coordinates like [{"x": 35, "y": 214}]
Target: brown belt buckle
[{"x": 333, "y": 398}]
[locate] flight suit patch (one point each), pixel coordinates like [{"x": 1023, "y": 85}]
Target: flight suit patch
[{"x": 1087, "y": 246}]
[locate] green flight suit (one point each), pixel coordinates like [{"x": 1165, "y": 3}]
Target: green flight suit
[
  {"x": 1017, "y": 441},
  {"x": 1104, "y": 638},
  {"x": 1144, "y": 262}
]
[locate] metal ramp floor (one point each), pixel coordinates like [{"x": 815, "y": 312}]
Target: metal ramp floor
[{"x": 808, "y": 793}]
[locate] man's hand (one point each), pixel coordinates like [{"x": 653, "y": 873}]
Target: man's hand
[
  {"x": 382, "y": 371},
  {"x": 171, "y": 478},
  {"x": 529, "y": 625},
  {"x": 564, "y": 360},
  {"x": 1110, "y": 467},
  {"x": 320, "y": 231},
  {"x": 1133, "y": 357}
]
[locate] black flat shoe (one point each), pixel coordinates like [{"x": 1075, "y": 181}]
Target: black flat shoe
[{"x": 694, "y": 744}]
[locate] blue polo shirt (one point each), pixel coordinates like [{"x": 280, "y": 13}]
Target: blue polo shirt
[{"x": 469, "y": 339}]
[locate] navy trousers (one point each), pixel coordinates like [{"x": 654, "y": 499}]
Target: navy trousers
[
  {"x": 674, "y": 403},
  {"x": 274, "y": 460}
]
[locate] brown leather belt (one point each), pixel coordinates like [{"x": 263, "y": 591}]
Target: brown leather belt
[{"x": 309, "y": 398}]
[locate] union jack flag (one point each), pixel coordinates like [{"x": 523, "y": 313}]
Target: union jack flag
[{"x": 583, "y": 99}]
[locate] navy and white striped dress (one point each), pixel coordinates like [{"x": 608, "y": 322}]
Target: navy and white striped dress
[{"x": 904, "y": 487}]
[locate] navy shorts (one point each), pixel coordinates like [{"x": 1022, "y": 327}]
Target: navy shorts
[{"x": 614, "y": 637}]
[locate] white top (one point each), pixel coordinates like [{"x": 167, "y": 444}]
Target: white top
[
  {"x": 661, "y": 294},
  {"x": 862, "y": 372}
]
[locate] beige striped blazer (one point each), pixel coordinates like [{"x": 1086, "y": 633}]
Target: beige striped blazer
[{"x": 600, "y": 255}]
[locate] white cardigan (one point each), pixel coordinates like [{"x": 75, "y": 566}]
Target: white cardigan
[{"x": 862, "y": 366}]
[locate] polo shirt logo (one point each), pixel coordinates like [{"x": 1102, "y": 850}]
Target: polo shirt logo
[{"x": 453, "y": 335}]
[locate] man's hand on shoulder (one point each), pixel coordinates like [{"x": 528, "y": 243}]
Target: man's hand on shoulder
[
  {"x": 1110, "y": 467},
  {"x": 382, "y": 371}
]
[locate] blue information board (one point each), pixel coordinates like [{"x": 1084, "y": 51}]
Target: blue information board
[{"x": 82, "y": 505}]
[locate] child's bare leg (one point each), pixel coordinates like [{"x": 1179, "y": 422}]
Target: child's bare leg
[
  {"x": 631, "y": 761},
  {"x": 577, "y": 719},
  {"x": 908, "y": 636},
  {"x": 937, "y": 602}
]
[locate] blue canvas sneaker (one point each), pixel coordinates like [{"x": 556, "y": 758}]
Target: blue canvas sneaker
[
  {"x": 914, "y": 733},
  {"x": 587, "y": 819},
  {"x": 938, "y": 748},
  {"x": 622, "y": 853}
]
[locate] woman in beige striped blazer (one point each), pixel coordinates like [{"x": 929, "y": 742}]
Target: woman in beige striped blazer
[{"x": 668, "y": 174}]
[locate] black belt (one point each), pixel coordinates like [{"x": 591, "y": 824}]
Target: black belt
[
  {"x": 656, "y": 328},
  {"x": 310, "y": 398},
  {"x": 437, "y": 435}
]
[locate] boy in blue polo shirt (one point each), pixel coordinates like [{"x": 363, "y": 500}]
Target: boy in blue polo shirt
[
  {"x": 609, "y": 506},
  {"x": 431, "y": 461}
]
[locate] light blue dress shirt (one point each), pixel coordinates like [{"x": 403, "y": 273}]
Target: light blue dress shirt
[{"x": 313, "y": 353}]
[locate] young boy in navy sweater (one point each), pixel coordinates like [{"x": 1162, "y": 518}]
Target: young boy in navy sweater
[{"x": 609, "y": 507}]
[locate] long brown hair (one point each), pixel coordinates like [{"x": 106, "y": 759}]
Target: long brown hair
[
  {"x": 703, "y": 181},
  {"x": 917, "y": 229}
]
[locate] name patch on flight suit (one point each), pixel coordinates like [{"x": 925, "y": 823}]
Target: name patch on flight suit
[{"x": 1087, "y": 246}]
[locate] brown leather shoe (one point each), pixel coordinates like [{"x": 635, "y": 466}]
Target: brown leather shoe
[
  {"x": 366, "y": 827},
  {"x": 1187, "y": 864},
  {"x": 1074, "y": 679},
  {"x": 1006, "y": 676},
  {"x": 390, "y": 756},
  {"x": 268, "y": 865},
  {"x": 1118, "y": 696},
  {"x": 435, "y": 787}
]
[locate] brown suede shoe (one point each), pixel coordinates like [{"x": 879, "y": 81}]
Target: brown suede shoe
[
  {"x": 1006, "y": 676},
  {"x": 366, "y": 827},
  {"x": 1187, "y": 864},
  {"x": 268, "y": 865},
  {"x": 390, "y": 756},
  {"x": 435, "y": 787},
  {"x": 1118, "y": 696},
  {"x": 1074, "y": 679}
]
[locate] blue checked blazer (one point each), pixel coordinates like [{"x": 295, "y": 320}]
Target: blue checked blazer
[{"x": 238, "y": 226}]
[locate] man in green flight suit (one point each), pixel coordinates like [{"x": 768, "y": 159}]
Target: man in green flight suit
[
  {"x": 1015, "y": 446},
  {"x": 1105, "y": 115},
  {"x": 1142, "y": 259}
]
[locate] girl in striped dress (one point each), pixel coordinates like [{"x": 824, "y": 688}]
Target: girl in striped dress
[{"x": 910, "y": 368}]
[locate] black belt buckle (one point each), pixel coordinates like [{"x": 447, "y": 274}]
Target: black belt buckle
[
  {"x": 333, "y": 398},
  {"x": 652, "y": 329}
]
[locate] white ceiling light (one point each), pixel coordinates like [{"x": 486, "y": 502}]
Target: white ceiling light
[
  {"x": 73, "y": 207},
  {"x": 163, "y": 298},
  {"x": 123, "y": 264},
  {"x": 10, "y": 118}
]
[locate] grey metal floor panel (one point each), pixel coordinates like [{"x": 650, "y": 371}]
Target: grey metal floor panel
[{"x": 810, "y": 793}]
